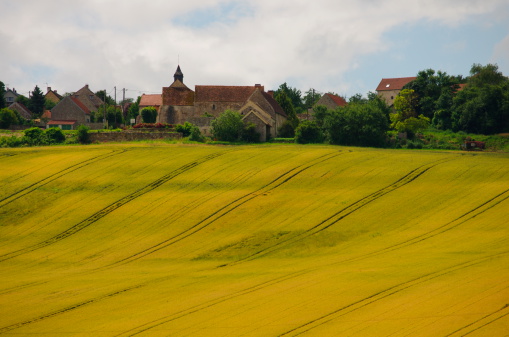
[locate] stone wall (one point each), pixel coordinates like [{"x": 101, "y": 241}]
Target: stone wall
[{"x": 126, "y": 136}]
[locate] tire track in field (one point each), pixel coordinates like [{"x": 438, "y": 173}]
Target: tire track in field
[
  {"x": 344, "y": 212},
  {"x": 32, "y": 187},
  {"x": 504, "y": 312},
  {"x": 205, "y": 305},
  {"x": 110, "y": 208},
  {"x": 280, "y": 180},
  {"x": 343, "y": 311},
  {"x": 68, "y": 308}
]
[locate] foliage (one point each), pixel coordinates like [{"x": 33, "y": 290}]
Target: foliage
[
  {"x": 310, "y": 98},
  {"x": 134, "y": 109},
  {"x": 361, "y": 124},
  {"x": 483, "y": 105},
  {"x": 2, "y": 93},
  {"x": 37, "y": 101},
  {"x": 153, "y": 126},
  {"x": 55, "y": 135},
  {"x": 405, "y": 118},
  {"x": 35, "y": 136},
  {"x": 114, "y": 116},
  {"x": 107, "y": 99},
  {"x": 83, "y": 134},
  {"x": 287, "y": 106},
  {"x": 249, "y": 133},
  {"x": 149, "y": 114},
  {"x": 196, "y": 135},
  {"x": 292, "y": 93},
  {"x": 23, "y": 100},
  {"x": 286, "y": 130},
  {"x": 308, "y": 132},
  {"x": 228, "y": 126},
  {"x": 185, "y": 128},
  {"x": 7, "y": 118},
  {"x": 48, "y": 105}
]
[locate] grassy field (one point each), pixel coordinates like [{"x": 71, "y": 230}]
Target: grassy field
[{"x": 267, "y": 240}]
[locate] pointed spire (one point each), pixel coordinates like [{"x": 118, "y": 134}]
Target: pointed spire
[{"x": 178, "y": 75}]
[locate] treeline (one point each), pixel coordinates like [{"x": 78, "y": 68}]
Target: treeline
[{"x": 476, "y": 104}]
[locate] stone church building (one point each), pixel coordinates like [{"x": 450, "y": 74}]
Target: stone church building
[{"x": 181, "y": 104}]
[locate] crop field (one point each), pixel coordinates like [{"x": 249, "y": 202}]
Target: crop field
[{"x": 266, "y": 240}]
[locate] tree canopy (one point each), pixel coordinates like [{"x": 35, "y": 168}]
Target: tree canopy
[{"x": 37, "y": 101}]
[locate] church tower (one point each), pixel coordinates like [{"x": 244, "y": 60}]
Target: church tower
[{"x": 178, "y": 75}]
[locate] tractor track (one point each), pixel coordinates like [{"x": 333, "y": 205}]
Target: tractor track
[
  {"x": 110, "y": 208},
  {"x": 32, "y": 187},
  {"x": 191, "y": 310},
  {"x": 68, "y": 308},
  {"x": 504, "y": 310},
  {"x": 280, "y": 180},
  {"x": 344, "y": 212},
  {"x": 324, "y": 319}
]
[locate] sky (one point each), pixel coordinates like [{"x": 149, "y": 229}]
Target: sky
[{"x": 339, "y": 46}]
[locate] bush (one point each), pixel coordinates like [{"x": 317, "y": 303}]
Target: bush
[
  {"x": 35, "y": 136},
  {"x": 286, "y": 130},
  {"x": 55, "y": 135},
  {"x": 228, "y": 126},
  {"x": 249, "y": 133},
  {"x": 7, "y": 118},
  {"x": 185, "y": 128},
  {"x": 11, "y": 141},
  {"x": 196, "y": 135},
  {"x": 83, "y": 135},
  {"x": 149, "y": 115},
  {"x": 308, "y": 132}
]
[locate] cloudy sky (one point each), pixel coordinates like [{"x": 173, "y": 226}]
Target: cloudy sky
[{"x": 329, "y": 45}]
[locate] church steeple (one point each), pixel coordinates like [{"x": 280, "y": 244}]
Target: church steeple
[{"x": 178, "y": 75}]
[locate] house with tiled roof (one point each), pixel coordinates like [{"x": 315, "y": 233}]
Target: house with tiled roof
[
  {"x": 181, "y": 104},
  {"x": 22, "y": 110},
  {"x": 88, "y": 98},
  {"x": 389, "y": 88},
  {"x": 52, "y": 95},
  {"x": 69, "y": 113},
  {"x": 331, "y": 101},
  {"x": 151, "y": 101},
  {"x": 10, "y": 96}
]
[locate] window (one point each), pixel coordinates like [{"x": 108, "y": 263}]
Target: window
[{"x": 213, "y": 107}]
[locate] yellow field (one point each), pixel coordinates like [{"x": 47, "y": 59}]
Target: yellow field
[{"x": 269, "y": 240}]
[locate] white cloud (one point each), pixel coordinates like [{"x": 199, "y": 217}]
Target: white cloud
[{"x": 135, "y": 44}]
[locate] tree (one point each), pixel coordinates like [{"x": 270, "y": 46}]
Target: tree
[
  {"x": 292, "y": 93},
  {"x": 287, "y": 106},
  {"x": 55, "y": 135},
  {"x": 107, "y": 99},
  {"x": 149, "y": 114},
  {"x": 7, "y": 118},
  {"x": 35, "y": 136},
  {"x": 308, "y": 132},
  {"x": 360, "y": 124},
  {"x": 37, "y": 100},
  {"x": 134, "y": 109},
  {"x": 483, "y": 105},
  {"x": 83, "y": 135},
  {"x": 405, "y": 118},
  {"x": 228, "y": 126},
  {"x": 310, "y": 98},
  {"x": 2, "y": 93}
]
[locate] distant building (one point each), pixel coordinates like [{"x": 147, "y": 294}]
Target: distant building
[
  {"x": 181, "y": 104},
  {"x": 22, "y": 110},
  {"x": 389, "y": 88},
  {"x": 331, "y": 101},
  {"x": 52, "y": 95},
  {"x": 88, "y": 98},
  {"x": 10, "y": 96},
  {"x": 68, "y": 114}
]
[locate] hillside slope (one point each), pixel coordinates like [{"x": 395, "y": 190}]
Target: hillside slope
[{"x": 269, "y": 240}]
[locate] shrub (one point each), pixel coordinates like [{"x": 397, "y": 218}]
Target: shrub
[
  {"x": 149, "y": 114},
  {"x": 249, "y": 133},
  {"x": 196, "y": 135},
  {"x": 55, "y": 135},
  {"x": 308, "y": 132},
  {"x": 83, "y": 135},
  {"x": 35, "y": 136},
  {"x": 286, "y": 130},
  {"x": 228, "y": 126},
  {"x": 7, "y": 118},
  {"x": 185, "y": 128}
]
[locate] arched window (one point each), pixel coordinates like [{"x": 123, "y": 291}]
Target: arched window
[{"x": 213, "y": 107}]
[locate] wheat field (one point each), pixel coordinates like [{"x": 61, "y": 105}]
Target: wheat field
[{"x": 265, "y": 240}]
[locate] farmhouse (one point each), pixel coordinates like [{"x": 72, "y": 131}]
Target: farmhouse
[
  {"x": 389, "y": 88},
  {"x": 331, "y": 101},
  {"x": 69, "y": 113},
  {"x": 52, "y": 95},
  {"x": 181, "y": 104},
  {"x": 22, "y": 110}
]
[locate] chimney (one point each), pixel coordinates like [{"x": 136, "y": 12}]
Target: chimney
[
  {"x": 48, "y": 89},
  {"x": 271, "y": 93},
  {"x": 259, "y": 86}
]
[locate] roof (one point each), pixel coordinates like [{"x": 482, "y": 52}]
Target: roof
[
  {"x": 88, "y": 98},
  {"x": 394, "y": 83},
  {"x": 46, "y": 114},
  {"x": 61, "y": 122},
  {"x": 218, "y": 93},
  {"x": 21, "y": 109},
  {"x": 151, "y": 100},
  {"x": 178, "y": 94},
  {"x": 81, "y": 105},
  {"x": 337, "y": 99},
  {"x": 275, "y": 105}
]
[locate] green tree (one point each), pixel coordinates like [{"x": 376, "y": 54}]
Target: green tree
[
  {"x": 55, "y": 135},
  {"x": 405, "y": 118},
  {"x": 35, "y": 136},
  {"x": 310, "y": 98},
  {"x": 7, "y": 118},
  {"x": 361, "y": 124},
  {"x": 37, "y": 101},
  {"x": 2, "y": 93},
  {"x": 483, "y": 105},
  {"x": 48, "y": 105},
  {"x": 185, "y": 128},
  {"x": 149, "y": 114},
  {"x": 114, "y": 116},
  {"x": 249, "y": 133},
  {"x": 292, "y": 93},
  {"x": 287, "y": 106},
  {"x": 107, "y": 99},
  {"x": 82, "y": 134},
  {"x": 228, "y": 126},
  {"x": 308, "y": 132},
  {"x": 134, "y": 109}
]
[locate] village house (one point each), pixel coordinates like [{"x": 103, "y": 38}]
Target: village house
[
  {"x": 181, "y": 104},
  {"x": 389, "y": 88},
  {"x": 52, "y": 96},
  {"x": 331, "y": 101},
  {"x": 68, "y": 114},
  {"x": 88, "y": 98},
  {"x": 10, "y": 96},
  {"x": 22, "y": 110}
]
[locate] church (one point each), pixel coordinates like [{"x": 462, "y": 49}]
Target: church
[{"x": 181, "y": 104}]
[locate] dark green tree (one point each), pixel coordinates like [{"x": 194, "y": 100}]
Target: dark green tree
[
  {"x": 228, "y": 126},
  {"x": 287, "y": 106},
  {"x": 292, "y": 93},
  {"x": 2, "y": 93},
  {"x": 308, "y": 132},
  {"x": 7, "y": 118},
  {"x": 35, "y": 136},
  {"x": 310, "y": 98},
  {"x": 55, "y": 135},
  {"x": 107, "y": 99},
  {"x": 37, "y": 100},
  {"x": 82, "y": 134},
  {"x": 149, "y": 114}
]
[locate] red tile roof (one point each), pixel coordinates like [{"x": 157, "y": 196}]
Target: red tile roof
[
  {"x": 81, "y": 105},
  {"x": 151, "y": 100},
  {"x": 218, "y": 93},
  {"x": 178, "y": 94},
  {"x": 340, "y": 101},
  {"x": 394, "y": 83},
  {"x": 46, "y": 114}
]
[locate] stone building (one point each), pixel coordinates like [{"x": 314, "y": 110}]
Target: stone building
[
  {"x": 181, "y": 104},
  {"x": 22, "y": 110},
  {"x": 69, "y": 113},
  {"x": 389, "y": 88},
  {"x": 88, "y": 98},
  {"x": 52, "y": 95},
  {"x": 331, "y": 101}
]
